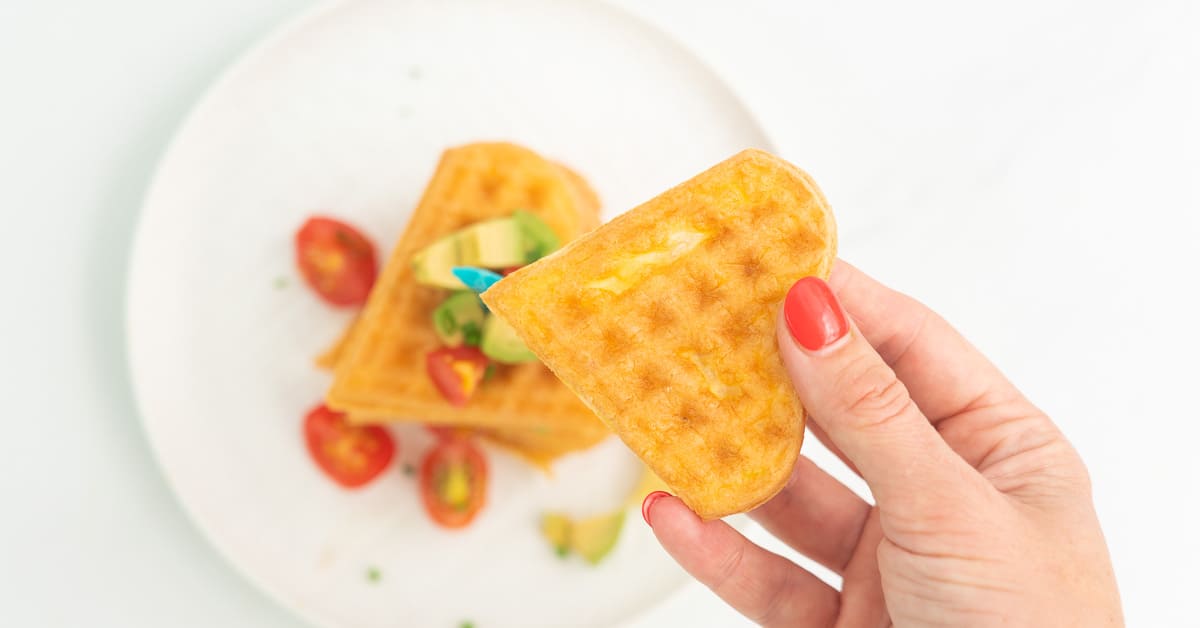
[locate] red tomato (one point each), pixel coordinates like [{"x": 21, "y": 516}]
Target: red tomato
[
  {"x": 454, "y": 482},
  {"x": 456, "y": 371},
  {"x": 449, "y": 432},
  {"x": 336, "y": 260},
  {"x": 350, "y": 454}
]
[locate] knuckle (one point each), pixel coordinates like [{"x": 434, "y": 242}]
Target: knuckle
[
  {"x": 1082, "y": 478},
  {"x": 772, "y": 613},
  {"x": 1035, "y": 458},
  {"x": 775, "y": 608},
  {"x": 889, "y": 556},
  {"x": 1068, "y": 465},
  {"x": 874, "y": 396},
  {"x": 727, "y": 570}
]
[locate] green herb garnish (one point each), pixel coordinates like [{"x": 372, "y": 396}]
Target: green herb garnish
[
  {"x": 472, "y": 334},
  {"x": 280, "y": 282},
  {"x": 373, "y": 574},
  {"x": 445, "y": 321}
]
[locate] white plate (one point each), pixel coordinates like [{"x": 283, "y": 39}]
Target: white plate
[{"x": 345, "y": 111}]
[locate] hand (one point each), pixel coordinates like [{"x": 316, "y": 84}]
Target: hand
[{"x": 983, "y": 513}]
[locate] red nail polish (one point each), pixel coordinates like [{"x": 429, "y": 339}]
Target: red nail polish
[
  {"x": 813, "y": 315},
  {"x": 649, "y": 501}
]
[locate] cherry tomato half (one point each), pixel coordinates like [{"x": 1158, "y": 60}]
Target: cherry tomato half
[
  {"x": 351, "y": 455},
  {"x": 456, "y": 371},
  {"x": 454, "y": 479},
  {"x": 336, "y": 260}
]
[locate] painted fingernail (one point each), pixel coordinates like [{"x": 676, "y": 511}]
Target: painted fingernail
[
  {"x": 813, "y": 315},
  {"x": 649, "y": 501}
]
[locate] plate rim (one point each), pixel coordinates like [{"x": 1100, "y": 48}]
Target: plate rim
[{"x": 249, "y": 55}]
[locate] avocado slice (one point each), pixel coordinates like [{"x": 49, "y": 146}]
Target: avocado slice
[
  {"x": 556, "y": 527},
  {"x": 502, "y": 344},
  {"x": 432, "y": 264},
  {"x": 539, "y": 239},
  {"x": 497, "y": 243},
  {"x": 459, "y": 320},
  {"x": 593, "y": 538}
]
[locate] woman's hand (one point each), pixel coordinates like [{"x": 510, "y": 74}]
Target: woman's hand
[{"x": 983, "y": 513}]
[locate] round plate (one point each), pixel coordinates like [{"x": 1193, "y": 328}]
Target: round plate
[{"x": 345, "y": 112}]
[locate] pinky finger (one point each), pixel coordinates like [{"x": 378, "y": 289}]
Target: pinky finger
[{"x": 765, "y": 587}]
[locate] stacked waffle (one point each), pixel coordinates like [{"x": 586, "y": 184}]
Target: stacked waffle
[{"x": 379, "y": 361}]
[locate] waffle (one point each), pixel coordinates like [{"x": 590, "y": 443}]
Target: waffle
[
  {"x": 663, "y": 322},
  {"x": 379, "y": 363},
  {"x": 329, "y": 358},
  {"x": 538, "y": 447}
]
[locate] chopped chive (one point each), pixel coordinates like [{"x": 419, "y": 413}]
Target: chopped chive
[
  {"x": 489, "y": 372},
  {"x": 467, "y": 624},
  {"x": 472, "y": 335},
  {"x": 445, "y": 320},
  {"x": 373, "y": 574},
  {"x": 280, "y": 282},
  {"x": 562, "y": 551}
]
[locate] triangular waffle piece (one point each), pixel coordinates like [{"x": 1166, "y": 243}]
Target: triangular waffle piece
[
  {"x": 379, "y": 372},
  {"x": 663, "y": 322},
  {"x": 539, "y": 447}
]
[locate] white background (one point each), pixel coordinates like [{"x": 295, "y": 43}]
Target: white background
[{"x": 1029, "y": 169}]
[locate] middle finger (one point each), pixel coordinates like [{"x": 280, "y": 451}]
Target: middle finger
[{"x": 816, "y": 515}]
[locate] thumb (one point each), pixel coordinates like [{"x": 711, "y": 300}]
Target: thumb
[{"x": 856, "y": 398}]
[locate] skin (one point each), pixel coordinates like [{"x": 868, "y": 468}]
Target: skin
[{"x": 983, "y": 513}]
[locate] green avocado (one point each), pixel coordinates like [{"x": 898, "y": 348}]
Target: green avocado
[
  {"x": 495, "y": 243},
  {"x": 459, "y": 320},
  {"x": 539, "y": 239},
  {"x": 498, "y": 243},
  {"x": 556, "y": 527},
  {"x": 432, "y": 264},
  {"x": 593, "y": 538},
  {"x": 502, "y": 344}
]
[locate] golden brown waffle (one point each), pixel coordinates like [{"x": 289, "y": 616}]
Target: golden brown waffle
[
  {"x": 538, "y": 447},
  {"x": 330, "y": 357},
  {"x": 663, "y": 321},
  {"x": 380, "y": 371},
  {"x": 588, "y": 205}
]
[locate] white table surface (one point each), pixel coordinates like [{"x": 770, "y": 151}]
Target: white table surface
[{"x": 1029, "y": 169}]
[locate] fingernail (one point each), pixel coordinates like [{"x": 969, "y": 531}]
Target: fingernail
[
  {"x": 649, "y": 501},
  {"x": 813, "y": 315}
]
